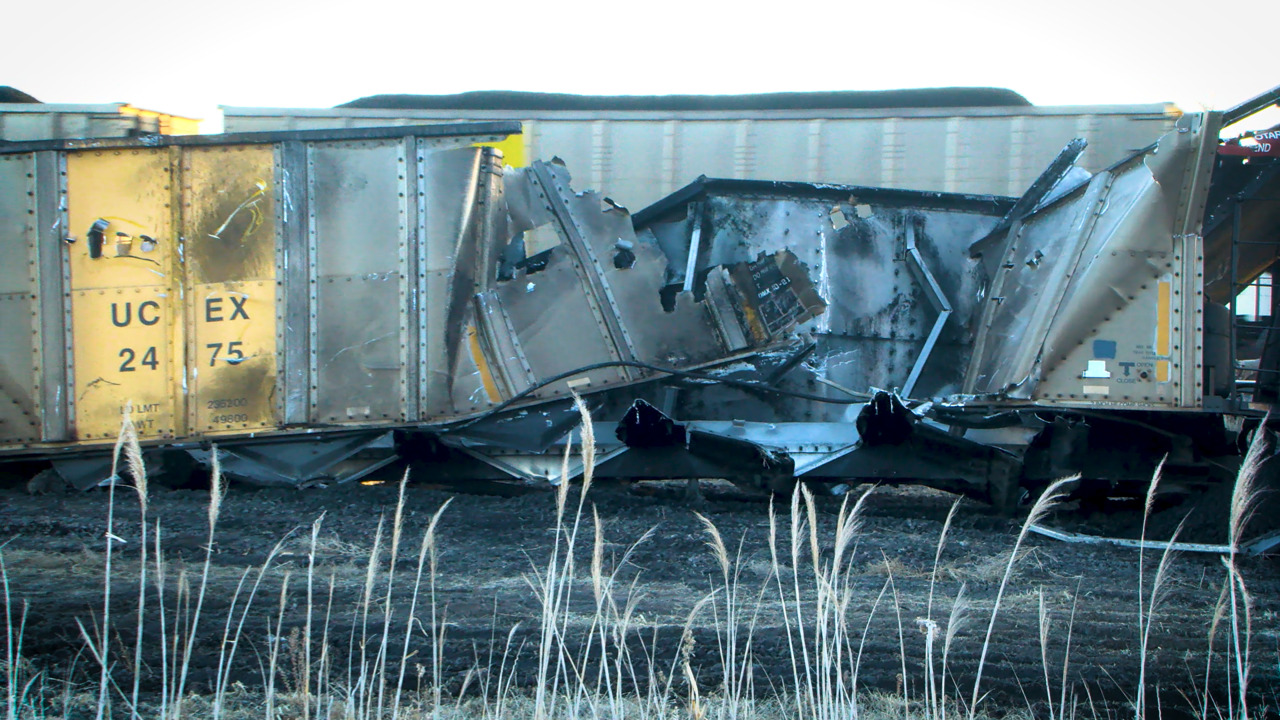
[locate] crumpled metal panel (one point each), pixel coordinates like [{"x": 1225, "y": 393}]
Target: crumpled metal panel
[
  {"x": 591, "y": 294},
  {"x": 891, "y": 267},
  {"x": 1097, "y": 297},
  {"x": 451, "y": 216}
]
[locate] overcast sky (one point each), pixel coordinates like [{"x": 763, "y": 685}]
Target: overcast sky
[{"x": 189, "y": 58}]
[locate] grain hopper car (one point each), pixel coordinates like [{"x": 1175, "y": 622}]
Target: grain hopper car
[{"x": 318, "y": 303}]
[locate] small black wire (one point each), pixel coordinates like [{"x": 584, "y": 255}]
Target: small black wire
[{"x": 685, "y": 374}]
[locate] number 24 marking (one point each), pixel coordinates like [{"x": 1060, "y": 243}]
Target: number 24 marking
[{"x": 148, "y": 359}]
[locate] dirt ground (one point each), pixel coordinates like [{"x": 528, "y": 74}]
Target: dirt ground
[{"x": 491, "y": 546}]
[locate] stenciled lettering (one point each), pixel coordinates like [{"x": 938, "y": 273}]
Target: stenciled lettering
[
  {"x": 148, "y": 313},
  {"x": 215, "y": 311},
  {"x": 237, "y": 308},
  {"x": 149, "y": 305}
]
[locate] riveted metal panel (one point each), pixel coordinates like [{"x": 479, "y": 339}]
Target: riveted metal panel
[
  {"x": 51, "y": 375},
  {"x": 19, "y": 274},
  {"x": 125, "y": 309},
  {"x": 358, "y": 220},
  {"x": 229, "y": 236},
  {"x": 411, "y": 337},
  {"x": 294, "y": 288}
]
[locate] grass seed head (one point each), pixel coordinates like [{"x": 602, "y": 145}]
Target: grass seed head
[
  {"x": 215, "y": 488},
  {"x": 133, "y": 458},
  {"x": 1245, "y": 495}
]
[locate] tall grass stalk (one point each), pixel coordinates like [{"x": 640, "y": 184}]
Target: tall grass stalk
[
  {"x": 1244, "y": 500},
  {"x": 217, "y": 489},
  {"x": 13, "y": 645},
  {"x": 164, "y": 639},
  {"x": 231, "y": 641},
  {"x": 957, "y": 620},
  {"x": 1043, "y": 636},
  {"x": 305, "y": 679},
  {"x": 556, "y": 585},
  {"x": 612, "y": 625},
  {"x": 1140, "y": 704},
  {"x": 1154, "y": 597},
  {"x": 796, "y": 693},
  {"x": 138, "y": 469},
  {"x": 902, "y": 641},
  {"x": 728, "y": 637},
  {"x": 1050, "y": 497},
  {"x": 797, "y": 526},
  {"x": 548, "y": 595},
  {"x": 822, "y": 685},
  {"x": 396, "y": 529},
  {"x": 862, "y": 645},
  {"x": 1219, "y": 613},
  {"x": 428, "y": 548},
  {"x": 274, "y": 650},
  {"x": 105, "y": 629},
  {"x": 323, "y": 680},
  {"x": 1066, "y": 659},
  {"x": 360, "y": 688},
  {"x": 930, "y": 627}
]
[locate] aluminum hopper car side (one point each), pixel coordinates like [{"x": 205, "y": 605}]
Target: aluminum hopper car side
[{"x": 296, "y": 297}]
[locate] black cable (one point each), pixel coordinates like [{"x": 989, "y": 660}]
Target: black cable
[{"x": 685, "y": 374}]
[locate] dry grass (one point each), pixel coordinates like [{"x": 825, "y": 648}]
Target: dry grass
[{"x": 591, "y": 649}]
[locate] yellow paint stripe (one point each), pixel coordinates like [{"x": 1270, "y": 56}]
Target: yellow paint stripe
[
  {"x": 486, "y": 377},
  {"x": 758, "y": 332},
  {"x": 1164, "y": 299},
  {"x": 1162, "y": 370}
]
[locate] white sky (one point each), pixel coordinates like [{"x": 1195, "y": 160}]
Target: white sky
[{"x": 188, "y": 58}]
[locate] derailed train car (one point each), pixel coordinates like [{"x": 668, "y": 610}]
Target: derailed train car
[{"x": 318, "y": 302}]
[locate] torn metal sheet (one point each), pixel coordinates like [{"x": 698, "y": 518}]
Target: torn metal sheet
[
  {"x": 1096, "y": 298},
  {"x": 592, "y": 301}
]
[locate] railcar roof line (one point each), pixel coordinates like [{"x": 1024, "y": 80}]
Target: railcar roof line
[{"x": 438, "y": 130}]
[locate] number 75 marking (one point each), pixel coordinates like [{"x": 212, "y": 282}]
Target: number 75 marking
[{"x": 234, "y": 355}]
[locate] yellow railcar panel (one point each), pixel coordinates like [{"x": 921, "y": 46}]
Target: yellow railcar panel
[
  {"x": 233, "y": 356},
  {"x": 122, "y": 355},
  {"x": 126, "y": 194},
  {"x": 230, "y": 255},
  {"x": 125, "y": 304},
  {"x": 228, "y": 213},
  {"x": 513, "y": 150}
]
